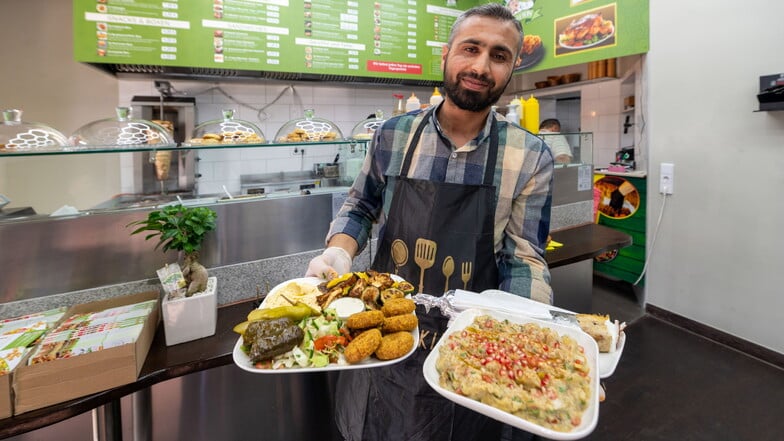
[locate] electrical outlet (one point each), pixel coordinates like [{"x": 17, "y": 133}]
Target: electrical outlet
[{"x": 666, "y": 178}]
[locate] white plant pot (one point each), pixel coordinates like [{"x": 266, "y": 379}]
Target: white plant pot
[{"x": 191, "y": 318}]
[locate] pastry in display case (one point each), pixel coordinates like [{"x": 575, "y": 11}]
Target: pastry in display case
[
  {"x": 226, "y": 131},
  {"x": 17, "y": 135},
  {"x": 365, "y": 129},
  {"x": 309, "y": 129},
  {"x": 121, "y": 131}
]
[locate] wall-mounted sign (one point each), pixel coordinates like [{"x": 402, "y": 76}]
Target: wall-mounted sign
[
  {"x": 568, "y": 32},
  {"x": 376, "y": 39}
]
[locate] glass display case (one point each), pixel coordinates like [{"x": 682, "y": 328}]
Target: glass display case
[
  {"x": 309, "y": 129},
  {"x": 20, "y": 136},
  {"x": 570, "y": 149},
  {"x": 236, "y": 160},
  {"x": 365, "y": 129},
  {"x": 227, "y": 130},
  {"x": 122, "y": 130}
]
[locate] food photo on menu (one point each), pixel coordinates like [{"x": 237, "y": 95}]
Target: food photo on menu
[
  {"x": 533, "y": 52},
  {"x": 519, "y": 5},
  {"x": 618, "y": 198},
  {"x": 590, "y": 29}
]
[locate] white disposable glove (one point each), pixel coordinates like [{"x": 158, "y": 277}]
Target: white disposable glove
[{"x": 333, "y": 262}]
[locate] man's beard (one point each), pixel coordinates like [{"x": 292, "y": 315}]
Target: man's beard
[{"x": 470, "y": 100}]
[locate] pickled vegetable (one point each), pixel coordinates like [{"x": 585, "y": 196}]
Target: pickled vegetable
[
  {"x": 296, "y": 312},
  {"x": 240, "y": 328}
]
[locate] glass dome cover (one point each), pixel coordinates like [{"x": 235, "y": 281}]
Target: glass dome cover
[
  {"x": 121, "y": 131},
  {"x": 18, "y": 135},
  {"x": 226, "y": 131},
  {"x": 364, "y": 129},
  {"x": 309, "y": 129}
]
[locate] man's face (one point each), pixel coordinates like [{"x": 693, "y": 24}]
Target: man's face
[{"x": 480, "y": 62}]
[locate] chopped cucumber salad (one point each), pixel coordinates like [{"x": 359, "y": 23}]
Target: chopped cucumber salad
[{"x": 323, "y": 343}]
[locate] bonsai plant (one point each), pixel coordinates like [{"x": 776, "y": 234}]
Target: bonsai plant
[{"x": 183, "y": 229}]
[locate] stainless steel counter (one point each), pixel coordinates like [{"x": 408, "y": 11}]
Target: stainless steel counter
[{"x": 51, "y": 255}]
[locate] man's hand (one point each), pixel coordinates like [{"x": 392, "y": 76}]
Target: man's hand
[{"x": 333, "y": 262}]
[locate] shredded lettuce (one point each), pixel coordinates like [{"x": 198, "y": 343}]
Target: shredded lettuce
[{"x": 305, "y": 355}]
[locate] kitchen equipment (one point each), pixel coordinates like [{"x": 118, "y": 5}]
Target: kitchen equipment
[
  {"x": 309, "y": 128},
  {"x": 625, "y": 157},
  {"x": 425, "y": 257},
  {"x": 179, "y": 111},
  {"x": 179, "y": 116},
  {"x": 17, "y": 135},
  {"x": 331, "y": 170},
  {"x": 284, "y": 182},
  {"x": 771, "y": 96}
]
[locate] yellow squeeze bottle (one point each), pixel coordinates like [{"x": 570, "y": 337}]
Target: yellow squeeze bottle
[{"x": 531, "y": 115}]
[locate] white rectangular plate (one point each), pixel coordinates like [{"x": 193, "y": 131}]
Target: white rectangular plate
[
  {"x": 243, "y": 362},
  {"x": 591, "y": 414},
  {"x": 503, "y": 301}
]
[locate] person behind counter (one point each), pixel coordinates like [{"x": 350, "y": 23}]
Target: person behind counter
[
  {"x": 466, "y": 184},
  {"x": 557, "y": 142}
]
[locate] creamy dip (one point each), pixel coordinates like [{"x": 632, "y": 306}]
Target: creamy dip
[{"x": 524, "y": 369}]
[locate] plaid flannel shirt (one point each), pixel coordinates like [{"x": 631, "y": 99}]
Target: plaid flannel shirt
[{"x": 523, "y": 189}]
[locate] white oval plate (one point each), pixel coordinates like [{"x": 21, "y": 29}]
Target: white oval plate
[{"x": 242, "y": 360}]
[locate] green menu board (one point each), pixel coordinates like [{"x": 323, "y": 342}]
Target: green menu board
[
  {"x": 399, "y": 39},
  {"x": 568, "y": 32}
]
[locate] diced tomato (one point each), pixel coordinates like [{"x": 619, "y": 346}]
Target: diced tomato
[
  {"x": 265, "y": 364},
  {"x": 328, "y": 341}
]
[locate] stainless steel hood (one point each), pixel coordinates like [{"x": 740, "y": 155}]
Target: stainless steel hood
[{"x": 201, "y": 73}]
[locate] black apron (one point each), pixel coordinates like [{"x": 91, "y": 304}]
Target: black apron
[{"x": 435, "y": 221}]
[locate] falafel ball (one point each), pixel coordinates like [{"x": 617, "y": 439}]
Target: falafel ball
[
  {"x": 405, "y": 322},
  {"x": 365, "y": 319},
  {"x": 395, "y": 307},
  {"x": 363, "y": 346},
  {"x": 395, "y": 345}
]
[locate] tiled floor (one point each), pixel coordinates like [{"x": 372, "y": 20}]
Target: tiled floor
[{"x": 619, "y": 299}]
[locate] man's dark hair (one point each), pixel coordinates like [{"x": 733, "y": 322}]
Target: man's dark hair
[
  {"x": 491, "y": 10},
  {"x": 550, "y": 124}
]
